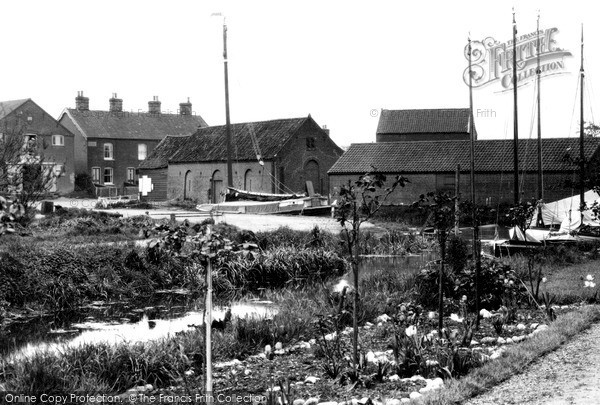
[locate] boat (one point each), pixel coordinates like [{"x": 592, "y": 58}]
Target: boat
[{"x": 234, "y": 194}]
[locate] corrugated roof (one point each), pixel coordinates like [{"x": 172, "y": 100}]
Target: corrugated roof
[
  {"x": 444, "y": 156},
  {"x": 133, "y": 125},
  {"x": 444, "y": 120},
  {"x": 160, "y": 155},
  {"x": 209, "y": 144},
  {"x": 6, "y": 107}
]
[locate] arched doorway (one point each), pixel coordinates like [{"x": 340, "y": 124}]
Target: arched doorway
[
  {"x": 248, "y": 180},
  {"x": 187, "y": 185},
  {"x": 216, "y": 187},
  {"x": 311, "y": 173}
]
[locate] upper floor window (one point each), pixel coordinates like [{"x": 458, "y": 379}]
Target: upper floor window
[
  {"x": 58, "y": 140},
  {"x": 108, "y": 151},
  {"x": 96, "y": 174},
  {"x": 310, "y": 143},
  {"x": 142, "y": 151}
]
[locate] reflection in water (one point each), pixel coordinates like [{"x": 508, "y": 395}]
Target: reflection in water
[{"x": 143, "y": 330}]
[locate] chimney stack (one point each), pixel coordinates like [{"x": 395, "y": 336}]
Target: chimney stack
[
  {"x": 115, "y": 104},
  {"x": 154, "y": 106},
  {"x": 326, "y": 129},
  {"x": 185, "y": 108},
  {"x": 82, "y": 103}
]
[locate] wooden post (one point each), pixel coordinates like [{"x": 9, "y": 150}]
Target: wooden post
[
  {"x": 208, "y": 320},
  {"x": 456, "y": 200}
]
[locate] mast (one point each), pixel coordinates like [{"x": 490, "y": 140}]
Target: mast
[
  {"x": 516, "y": 122},
  {"x": 540, "y": 193},
  {"x": 476, "y": 249},
  {"x": 581, "y": 153},
  {"x": 227, "y": 121}
]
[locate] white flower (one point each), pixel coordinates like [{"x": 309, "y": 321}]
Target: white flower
[
  {"x": 485, "y": 313},
  {"x": 371, "y": 357},
  {"x": 411, "y": 331},
  {"x": 589, "y": 277},
  {"x": 431, "y": 314},
  {"x": 268, "y": 349},
  {"x": 455, "y": 318},
  {"x": 590, "y": 284},
  {"x": 330, "y": 336},
  {"x": 464, "y": 298},
  {"x": 544, "y": 279}
]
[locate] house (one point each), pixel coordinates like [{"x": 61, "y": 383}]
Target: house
[
  {"x": 431, "y": 166},
  {"x": 277, "y": 156},
  {"x": 110, "y": 144},
  {"x": 42, "y": 138},
  {"x": 424, "y": 125}
]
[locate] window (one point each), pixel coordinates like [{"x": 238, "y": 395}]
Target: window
[
  {"x": 96, "y": 174},
  {"x": 131, "y": 174},
  {"x": 310, "y": 143},
  {"x": 108, "y": 175},
  {"x": 108, "y": 151},
  {"x": 58, "y": 140},
  {"x": 142, "y": 151}
]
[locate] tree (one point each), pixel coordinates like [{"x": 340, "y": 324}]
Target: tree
[
  {"x": 9, "y": 213},
  {"x": 591, "y": 130},
  {"x": 441, "y": 210},
  {"x": 358, "y": 202},
  {"x": 25, "y": 175}
]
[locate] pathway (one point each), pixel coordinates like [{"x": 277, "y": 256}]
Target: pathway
[{"x": 569, "y": 375}]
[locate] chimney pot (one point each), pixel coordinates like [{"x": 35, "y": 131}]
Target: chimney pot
[
  {"x": 154, "y": 105},
  {"x": 82, "y": 103},
  {"x": 185, "y": 108},
  {"x": 115, "y": 104}
]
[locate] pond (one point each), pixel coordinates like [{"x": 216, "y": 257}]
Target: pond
[{"x": 169, "y": 313}]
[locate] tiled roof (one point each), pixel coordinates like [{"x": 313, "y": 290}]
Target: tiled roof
[
  {"x": 133, "y": 125},
  {"x": 443, "y": 120},
  {"x": 160, "y": 155},
  {"x": 209, "y": 144},
  {"x": 6, "y": 107},
  {"x": 444, "y": 156}
]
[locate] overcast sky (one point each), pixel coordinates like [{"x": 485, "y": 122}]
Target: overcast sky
[{"x": 340, "y": 61}]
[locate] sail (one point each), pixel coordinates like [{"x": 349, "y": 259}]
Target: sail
[{"x": 567, "y": 209}]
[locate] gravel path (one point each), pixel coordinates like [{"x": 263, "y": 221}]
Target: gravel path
[{"x": 569, "y": 375}]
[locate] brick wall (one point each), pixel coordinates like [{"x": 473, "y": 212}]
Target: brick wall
[
  {"x": 489, "y": 187},
  {"x": 298, "y": 157},
  {"x": 200, "y": 178},
  {"x": 79, "y": 146},
  {"x": 125, "y": 153}
]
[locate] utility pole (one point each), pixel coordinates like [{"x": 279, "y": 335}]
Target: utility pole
[
  {"x": 517, "y": 198},
  {"x": 227, "y": 121}
]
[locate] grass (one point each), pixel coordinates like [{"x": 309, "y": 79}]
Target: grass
[
  {"x": 568, "y": 286},
  {"x": 515, "y": 359}
]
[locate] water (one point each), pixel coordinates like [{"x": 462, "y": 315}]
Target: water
[{"x": 116, "y": 322}]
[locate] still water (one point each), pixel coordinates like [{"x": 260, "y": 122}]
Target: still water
[{"x": 116, "y": 322}]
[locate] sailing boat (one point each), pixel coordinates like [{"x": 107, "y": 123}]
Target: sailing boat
[{"x": 585, "y": 227}]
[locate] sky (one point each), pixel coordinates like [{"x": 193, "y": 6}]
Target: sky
[{"x": 340, "y": 61}]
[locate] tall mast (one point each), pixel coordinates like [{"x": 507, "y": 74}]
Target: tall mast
[
  {"x": 476, "y": 249},
  {"x": 540, "y": 193},
  {"x": 581, "y": 153},
  {"x": 227, "y": 121},
  {"x": 516, "y": 122}
]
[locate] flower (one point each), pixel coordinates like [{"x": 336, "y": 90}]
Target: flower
[
  {"x": 590, "y": 284},
  {"x": 456, "y": 318},
  {"x": 464, "y": 298},
  {"x": 589, "y": 277},
  {"x": 431, "y": 314},
  {"x": 544, "y": 279},
  {"x": 485, "y": 313},
  {"x": 411, "y": 331}
]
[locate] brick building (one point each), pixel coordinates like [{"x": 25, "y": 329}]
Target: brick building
[
  {"x": 431, "y": 166},
  {"x": 110, "y": 144},
  {"x": 54, "y": 143},
  {"x": 291, "y": 151},
  {"x": 424, "y": 125}
]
